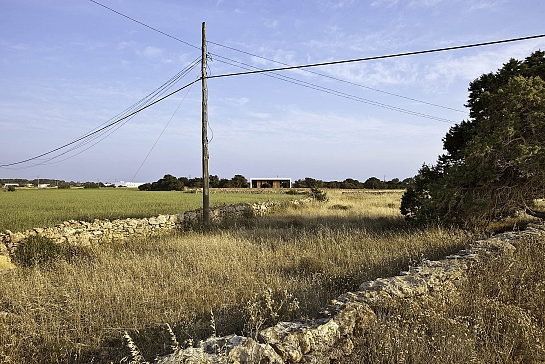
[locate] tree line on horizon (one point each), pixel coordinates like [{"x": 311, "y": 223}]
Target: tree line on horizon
[
  {"x": 372, "y": 183},
  {"x": 172, "y": 183}
]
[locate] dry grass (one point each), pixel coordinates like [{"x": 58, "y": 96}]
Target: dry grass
[
  {"x": 498, "y": 316},
  {"x": 77, "y": 311}
]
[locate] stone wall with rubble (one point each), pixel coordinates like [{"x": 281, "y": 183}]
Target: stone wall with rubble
[
  {"x": 83, "y": 233},
  {"x": 329, "y": 339}
]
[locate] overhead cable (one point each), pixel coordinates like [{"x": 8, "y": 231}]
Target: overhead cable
[
  {"x": 336, "y": 93},
  {"x": 162, "y": 132},
  {"x": 338, "y": 79},
  {"x": 147, "y": 26},
  {"x": 238, "y": 50},
  {"x": 118, "y": 121},
  {"x": 379, "y": 57}
]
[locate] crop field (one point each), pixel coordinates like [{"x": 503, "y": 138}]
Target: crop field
[
  {"x": 245, "y": 276},
  {"x": 27, "y": 209}
]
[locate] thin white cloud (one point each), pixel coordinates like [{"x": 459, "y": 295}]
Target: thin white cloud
[
  {"x": 271, "y": 23},
  {"x": 467, "y": 68},
  {"x": 471, "y": 4},
  {"x": 259, "y": 115},
  {"x": 386, "y": 3},
  {"x": 487, "y": 4},
  {"x": 240, "y": 101},
  {"x": 337, "y": 4},
  {"x": 152, "y": 52},
  {"x": 20, "y": 47},
  {"x": 412, "y": 3},
  {"x": 328, "y": 128},
  {"x": 374, "y": 74},
  {"x": 123, "y": 45}
]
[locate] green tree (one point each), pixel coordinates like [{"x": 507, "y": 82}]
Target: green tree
[
  {"x": 494, "y": 163},
  {"x": 223, "y": 183},
  {"x": 313, "y": 183},
  {"x": 351, "y": 183},
  {"x": 63, "y": 185},
  {"x": 374, "y": 183},
  {"x": 91, "y": 185},
  {"x": 239, "y": 181},
  {"x": 167, "y": 183},
  {"x": 145, "y": 187},
  {"x": 214, "y": 181}
]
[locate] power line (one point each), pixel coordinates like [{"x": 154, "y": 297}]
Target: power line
[
  {"x": 299, "y": 82},
  {"x": 96, "y": 133},
  {"x": 238, "y": 50},
  {"x": 380, "y": 57},
  {"x": 147, "y": 26},
  {"x": 338, "y": 93},
  {"x": 339, "y": 79},
  {"x": 160, "y": 135},
  {"x": 334, "y": 62}
]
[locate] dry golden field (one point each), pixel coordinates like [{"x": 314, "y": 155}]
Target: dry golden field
[{"x": 253, "y": 273}]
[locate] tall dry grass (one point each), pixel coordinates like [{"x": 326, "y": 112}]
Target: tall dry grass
[
  {"x": 77, "y": 310},
  {"x": 498, "y": 316}
]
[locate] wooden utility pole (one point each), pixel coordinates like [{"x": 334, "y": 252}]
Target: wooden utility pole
[{"x": 205, "y": 177}]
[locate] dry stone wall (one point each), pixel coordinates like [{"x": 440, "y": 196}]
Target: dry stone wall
[
  {"x": 83, "y": 233},
  {"x": 328, "y": 339}
]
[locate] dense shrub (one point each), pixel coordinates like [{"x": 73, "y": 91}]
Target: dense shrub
[
  {"x": 37, "y": 250},
  {"x": 91, "y": 185},
  {"x": 318, "y": 195},
  {"x": 167, "y": 183},
  {"x": 493, "y": 165}
]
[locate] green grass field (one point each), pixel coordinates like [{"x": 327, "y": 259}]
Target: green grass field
[{"x": 27, "y": 209}]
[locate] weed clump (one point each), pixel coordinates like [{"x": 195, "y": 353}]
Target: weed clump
[
  {"x": 268, "y": 308},
  {"x": 318, "y": 195},
  {"x": 37, "y": 250}
]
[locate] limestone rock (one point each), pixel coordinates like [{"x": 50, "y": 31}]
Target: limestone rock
[
  {"x": 5, "y": 263},
  {"x": 229, "y": 349},
  {"x": 17, "y": 237}
]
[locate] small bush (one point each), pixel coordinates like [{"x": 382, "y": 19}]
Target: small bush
[
  {"x": 295, "y": 192},
  {"x": 340, "y": 207},
  {"x": 11, "y": 188},
  {"x": 269, "y": 308},
  {"x": 318, "y": 195},
  {"x": 91, "y": 185},
  {"x": 37, "y": 250},
  {"x": 63, "y": 186}
]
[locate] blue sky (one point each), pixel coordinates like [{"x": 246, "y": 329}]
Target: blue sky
[{"x": 68, "y": 66}]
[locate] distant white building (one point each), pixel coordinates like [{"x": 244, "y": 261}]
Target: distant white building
[{"x": 129, "y": 184}]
